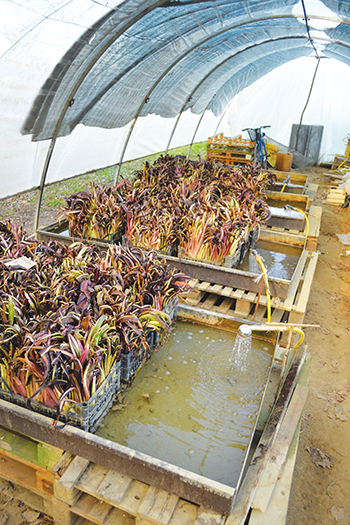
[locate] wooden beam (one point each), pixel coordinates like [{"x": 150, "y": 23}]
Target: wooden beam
[
  {"x": 176, "y": 480},
  {"x": 227, "y": 276},
  {"x": 278, "y": 506},
  {"x": 255, "y": 470},
  {"x": 280, "y": 449}
]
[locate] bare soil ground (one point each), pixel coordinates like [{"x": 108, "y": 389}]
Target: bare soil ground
[{"x": 321, "y": 484}]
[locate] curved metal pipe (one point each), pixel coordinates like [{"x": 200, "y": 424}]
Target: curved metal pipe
[
  {"x": 70, "y": 97},
  {"x": 42, "y": 183},
  {"x": 198, "y": 124},
  {"x": 86, "y": 70},
  {"x": 198, "y": 85},
  {"x": 221, "y": 119},
  {"x": 245, "y": 330},
  {"x": 206, "y": 40},
  {"x": 175, "y": 125}
]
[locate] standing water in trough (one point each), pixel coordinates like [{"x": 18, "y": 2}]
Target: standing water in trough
[{"x": 191, "y": 406}]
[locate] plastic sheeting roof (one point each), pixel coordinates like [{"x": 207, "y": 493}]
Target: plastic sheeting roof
[
  {"x": 163, "y": 57},
  {"x": 88, "y": 74}
]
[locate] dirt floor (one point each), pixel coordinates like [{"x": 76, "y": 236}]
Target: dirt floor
[{"x": 321, "y": 485}]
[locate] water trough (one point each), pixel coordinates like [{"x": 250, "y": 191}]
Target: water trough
[{"x": 174, "y": 478}]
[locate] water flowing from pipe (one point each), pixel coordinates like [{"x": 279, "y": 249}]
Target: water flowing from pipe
[{"x": 240, "y": 351}]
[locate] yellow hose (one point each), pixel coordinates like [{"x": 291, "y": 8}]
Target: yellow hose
[
  {"x": 301, "y": 338},
  {"x": 268, "y": 293},
  {"x": 305, "y": 215},
  {"x": 285, "y": 182},
  {"x": 306, "y": 220}
]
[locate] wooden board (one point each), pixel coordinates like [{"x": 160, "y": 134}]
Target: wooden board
[
  {"x": 241, "y": 304},
  {"x": 315, "y": 217},
  {"x": 247, "y": 491},
  {"x": 336, "y": 196},
  {"x": 311, "y": 192},
  {"x": 279, "y": 449},
  {"x": 278, "y": 504},
  {"x": 157, "y": 507},
  {"x": 99, "y": 512},
  {"x": 142, "y": 467},
  {"x": 277, "y": 508}
]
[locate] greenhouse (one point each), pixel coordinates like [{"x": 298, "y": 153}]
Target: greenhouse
[{"x": 174, "y": 240}]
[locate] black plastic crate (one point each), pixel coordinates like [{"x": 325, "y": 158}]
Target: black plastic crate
[
  {"x": 133, "y": 361},
  {"x": 171, "y": 310},
  {"x": 250, "y": 243},
  {"x": 87, "y": 415}
]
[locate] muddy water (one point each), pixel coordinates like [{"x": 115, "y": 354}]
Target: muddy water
[
  {"x": 281, "y": 204},
  {"x": 279, "y": 260},
  {"x": 195, "y": 402}
]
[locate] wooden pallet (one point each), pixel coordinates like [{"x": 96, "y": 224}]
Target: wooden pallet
[
  {"x": 336, "y": 196},
  {"x": 85, "y": 493},
  {"x": 296, "y": 237},
  {"x": 74, "y": 490},
  {"x": 229, "y": 158},
  {"x": 228, "y": 150},
  {"x": 340, "y": 159},
  {"x": 27, "y": 462},
  {"x": 225, "y": 143},
  {"x": 105, "y": 494},
  {"x": 243, "y": 304}
]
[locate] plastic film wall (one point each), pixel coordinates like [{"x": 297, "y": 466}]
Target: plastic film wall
[{"x": 85, "y": 84}]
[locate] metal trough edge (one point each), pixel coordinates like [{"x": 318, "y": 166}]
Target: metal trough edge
[
  {"x": 185, "y": 484},
  {"x": 195, "y": 269}
]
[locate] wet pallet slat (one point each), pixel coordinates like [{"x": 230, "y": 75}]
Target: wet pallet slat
[
  {"x": 157, "y": 507},
  {"x": 91, "y": 479},
  {"x": 263, "y": 453},
  {"x": 184, "y": 514},
  {"x": 113, "y": 487},
  {"x": 298, "y": 309},
  {"x": 92, "y": 509},
  {"x": 143, "y": 502},
  {"x": 242, "y": 303},
  {"x": 100, "y": 512},
  {"x": 224, "y": 306},
  {"x": 127, "y": 500},
  {"x": 280, "y": 448},
  {"x": 133, "y": 497}
]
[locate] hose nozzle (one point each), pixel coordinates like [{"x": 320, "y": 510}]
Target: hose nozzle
[{"x": 244, "y": 330}]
